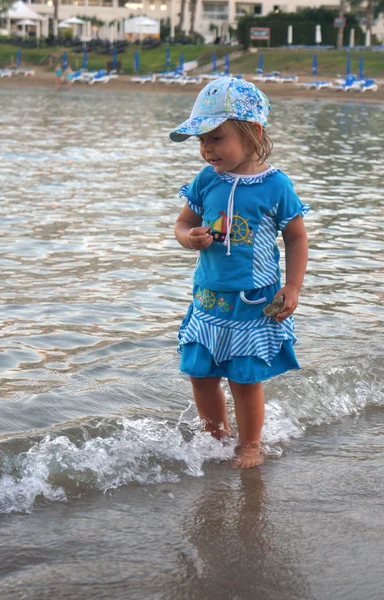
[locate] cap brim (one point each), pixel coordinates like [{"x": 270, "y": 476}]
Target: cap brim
[{"x": 196, "y": 126}]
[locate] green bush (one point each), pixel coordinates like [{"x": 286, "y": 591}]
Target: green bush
[{"x": 304, "y": 25}]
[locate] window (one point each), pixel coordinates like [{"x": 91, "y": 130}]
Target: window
[
  {"x": 215, "y": 10},
  {"x": 248, "y": 9}
]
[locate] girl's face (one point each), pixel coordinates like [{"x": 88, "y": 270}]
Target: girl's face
[{"x": 224, "y": 149}]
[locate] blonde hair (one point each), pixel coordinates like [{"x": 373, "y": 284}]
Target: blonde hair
[{"x": 263, "y": 144}]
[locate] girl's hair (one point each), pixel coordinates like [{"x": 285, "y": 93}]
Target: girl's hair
[{"x": 263, "y": 145}]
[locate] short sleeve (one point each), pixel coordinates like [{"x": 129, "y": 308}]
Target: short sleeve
[
  {"x": 290, "y": 206},
  {"x": 192, "y": 195}
]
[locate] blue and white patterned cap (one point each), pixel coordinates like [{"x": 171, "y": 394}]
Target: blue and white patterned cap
[{"x": 222, "y": 99}]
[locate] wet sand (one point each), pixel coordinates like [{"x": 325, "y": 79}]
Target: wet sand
[
  {"x": 307, "y": 526},
  {"x": 274, "y": 90}
]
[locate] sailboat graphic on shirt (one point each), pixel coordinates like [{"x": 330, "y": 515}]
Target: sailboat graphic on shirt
[{"x": 241, "y": 233}]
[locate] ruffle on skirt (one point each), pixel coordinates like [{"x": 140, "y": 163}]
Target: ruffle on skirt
[{"x": 226, "y": 339}]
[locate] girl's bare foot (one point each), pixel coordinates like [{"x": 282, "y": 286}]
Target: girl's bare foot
[
  {"x": 248, "y": 455},
  {"x": 216, "y": 430}
]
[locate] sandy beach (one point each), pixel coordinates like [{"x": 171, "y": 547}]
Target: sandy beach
[{"x": 123, "y": 83}]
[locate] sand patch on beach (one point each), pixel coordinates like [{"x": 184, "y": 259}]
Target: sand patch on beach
[{"x": 274, "y": 90}]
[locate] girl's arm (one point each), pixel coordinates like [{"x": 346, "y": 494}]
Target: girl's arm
[
  {"x": 188, "y": 230},
  {"x": 296, "y": 256}
]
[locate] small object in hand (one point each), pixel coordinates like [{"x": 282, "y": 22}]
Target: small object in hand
[{"x": 274, "y": 308}]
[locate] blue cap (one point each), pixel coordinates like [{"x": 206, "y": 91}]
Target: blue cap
[{"x": 222, "y": 99}]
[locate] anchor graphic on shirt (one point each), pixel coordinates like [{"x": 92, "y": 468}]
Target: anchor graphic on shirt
[{"x": 240, "y": 231}]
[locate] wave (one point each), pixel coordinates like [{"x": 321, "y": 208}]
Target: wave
[{"x": 105, "y": 453}]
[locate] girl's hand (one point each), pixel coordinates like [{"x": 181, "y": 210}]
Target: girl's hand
[
  {"x": 200, "y": 238},
  {"x": 291, "y": 299}
]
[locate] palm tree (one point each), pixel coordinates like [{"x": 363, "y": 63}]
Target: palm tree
[
  {"x": 182, "y": 14},
  {"x": 192, "y": 9},
  {"x": 372, "y": 10}
]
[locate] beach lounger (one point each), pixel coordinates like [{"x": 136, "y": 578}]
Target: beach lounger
[
  {"x": 99, "y": 77},
  {"x": 143, "y": 78},
  {"x": 274, "y": 77},
  {"x": 315, "y": 85},
  {"x": 78, "y": 76},
  {"x": 6, "y": 73},
  {"x": 210, "y": 76},
  {"x": 181, "y": 80},
  {"x": 369, "y": 85},
  {"x": 354, "y": 83}
]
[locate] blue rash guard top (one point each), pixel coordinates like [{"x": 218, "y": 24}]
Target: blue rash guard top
[{"x": 245, "y": 214}]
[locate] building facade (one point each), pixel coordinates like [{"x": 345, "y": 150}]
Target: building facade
[{"x": 212, "y": 17}]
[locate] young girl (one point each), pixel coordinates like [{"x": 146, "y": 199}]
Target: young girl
[{"x": 234, "y": 209}]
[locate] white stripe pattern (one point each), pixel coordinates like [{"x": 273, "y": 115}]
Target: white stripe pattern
[
  {"x": 225, "y": 339},
  {"x": 265, "y": 269},
  {"x": 304, "y": 209}
]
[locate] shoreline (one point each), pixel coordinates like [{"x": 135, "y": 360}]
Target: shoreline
[
  {"x": 303, "y": 527},
  {"x": 123, "y": 84}
]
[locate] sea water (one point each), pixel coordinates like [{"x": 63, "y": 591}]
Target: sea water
[{"x": 93, "y": 289}]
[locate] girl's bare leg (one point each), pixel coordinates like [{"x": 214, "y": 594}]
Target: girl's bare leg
[
  {"x": 211, "y": 405},
  {"x": 249, "y": 409}
]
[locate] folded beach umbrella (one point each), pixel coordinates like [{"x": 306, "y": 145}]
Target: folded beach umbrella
[
  {"x": 348, "y": 66},
  {"x": 181, "y": 61},
  {"x": 114, "y": 59},
  {"x": 361, "y": 67},
  {"x": 214, "y": 63},
  {"x": 65, "y": 61},
  {"x": 18, "y": 57},
  {"x": 85, "y": 59},
  {"x": 168, "y": 59},
  {"x": 226, "y": 64},
  {"x": 137, "y": 61},
  {"x": 290, "y": 35},
  {"x": 314, "y": 65}
]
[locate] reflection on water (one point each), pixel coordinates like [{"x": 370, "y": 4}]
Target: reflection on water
[{"x": 94, "y": 284}]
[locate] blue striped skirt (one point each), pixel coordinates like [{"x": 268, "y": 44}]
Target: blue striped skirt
[{"x": 225, "y": 334}]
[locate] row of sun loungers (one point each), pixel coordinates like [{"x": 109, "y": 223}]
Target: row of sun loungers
[
  {"x": 344, "y": 84},
  {"x": 167, "y": 78},
  {"x": 275, "y": 77},
  {"x": 16, "y": 72},
  {"x": 91, "y": 77},
  {"x": 179, "y": 78}
]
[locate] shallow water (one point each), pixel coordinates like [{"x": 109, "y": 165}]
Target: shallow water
[{"x": 94, "y": 286}]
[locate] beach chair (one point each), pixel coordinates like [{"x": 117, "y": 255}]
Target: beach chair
[
  {"x": 143, "y": 78},
  {"x": 99, "y": 77},
  {"x": 78, "y": 76},
  {"x": 173, "y": 79},
  {"x": 5, "y": 73},
  {"x": 289, "y": 78},
  {"x": 274, "y": 77},
  {"x": 351, "y": 83},
  {"x": 369, "y": 85},
  {"x": 315, "y": 85},
  {"x": 210, "y": 76}
]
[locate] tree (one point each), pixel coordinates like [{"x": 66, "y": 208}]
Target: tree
[
  {"x": 182, "y": 14},
  {"x": 192, "y": 8},
  {"x": 5, "y": 5},
  {"x": 372, "y": 10},
  {"x": 213, "y": 27},
  {"x": 56, "y": 10}
]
